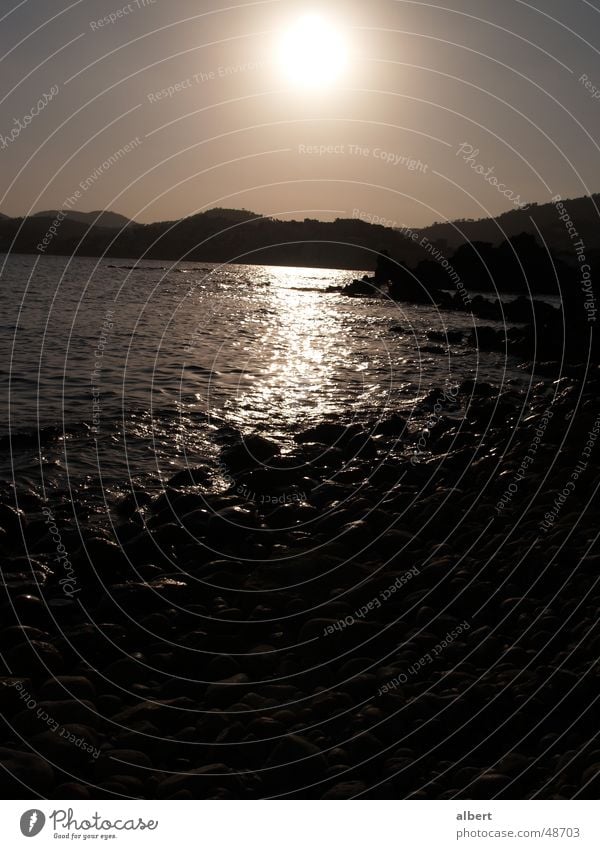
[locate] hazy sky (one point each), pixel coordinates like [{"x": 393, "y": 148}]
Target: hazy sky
[{"x": 506, "y": 78}]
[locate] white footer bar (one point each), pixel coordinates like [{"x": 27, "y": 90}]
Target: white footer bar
[{"x": 301, "y": 824}]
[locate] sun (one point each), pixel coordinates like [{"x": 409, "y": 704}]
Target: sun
[{"x": 313, "y": 52}]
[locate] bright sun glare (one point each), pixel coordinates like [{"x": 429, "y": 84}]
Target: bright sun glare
[{"x": 313, "y": 52}]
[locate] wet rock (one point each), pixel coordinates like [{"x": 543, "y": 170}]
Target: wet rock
[
  {"x": 480, "y": 389},
  {"x": 396, "y": 425},
  {"x": 202, "y": 783},
  {"x": 328, "y": 433},
  {"x": 69, "y": 747},
  {"x": 231, "y": 526},
  {"x": 35, "y": 658},
  {"x": 133, "y": 502},
  {"x": 361, "y": 446},
  {"x": 20, "y": 634},
  {"x": 198, "y": 476},
  {"x": 488, "y": 786},
  {"x": 122, "y": 762},
  {"x": 222, "y": 667},
  {"x": 145, "y": 715},
  {"x": 31, "y": 610},
  {"x": 295, "y": 761},
  {"x": 55, "y": 713},
  {"x": 12, "y": 691},
  {"x": 252, "y": 451},
  {"x": 127, "y": 670},
  {"x": 64, "y": 686},
  {"x": 346, "y": 790},
  {"x": 12, "y": 520},
  {"x": 100, "y": 555},
  {"x": 225, "y": 692},
  {"x": 22, "y": 774},
  {"x": 71, "y": 790}
]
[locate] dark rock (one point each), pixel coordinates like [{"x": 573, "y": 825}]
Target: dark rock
[
  {"x": 395, "y": 425},
  {"x": 202, "y": 783},
  {"x": 225, "y": 692},
  {"x": 12, "y": 520},
  {"x": 199, "y": 476},
  {"x": 23, "y": 774},
  {"x": 329, "y": 433},
  {"x": 62, "y": 686},
  {"x": 122, "y": 762},
  {"x": 251, "y": 452},
  {"x": 480, "y": 389},
  {"x": 31, "y": 610},
  {"x": 298, "y": 761},
  {"x": 71, "y": 790},
  {"x": 345, "y": 790},
  {"x": 69, "y": 747},
  {"x": 35, "y": 658}
]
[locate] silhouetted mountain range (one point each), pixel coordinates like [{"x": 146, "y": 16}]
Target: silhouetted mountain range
[
  {"x": 105, "y": 219},
  {"x": 501, "y": 249},
  {"x": 585, "y": 212}
]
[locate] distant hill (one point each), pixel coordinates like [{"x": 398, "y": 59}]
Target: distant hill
[
  {"x": 496, "y": 230},
  {"x": 105, "y": 219},
  {"x": 242, "y": 236},
  {"x": 234, "y": 216}
]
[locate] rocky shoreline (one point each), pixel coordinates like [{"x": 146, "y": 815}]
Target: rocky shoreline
[
  {"x": 525, "y": 327},
  {"x": 393, "y": 611}
]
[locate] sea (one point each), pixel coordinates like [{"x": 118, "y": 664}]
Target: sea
[{"x": 118, "y": 372}]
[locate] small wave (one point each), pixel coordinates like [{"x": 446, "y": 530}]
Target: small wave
[
  {"x": 139, "y": 267},
  {"x": 191, "y": 270}
]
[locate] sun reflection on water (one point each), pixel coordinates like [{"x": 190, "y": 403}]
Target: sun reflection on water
[{"x": 295, "y": 349}]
